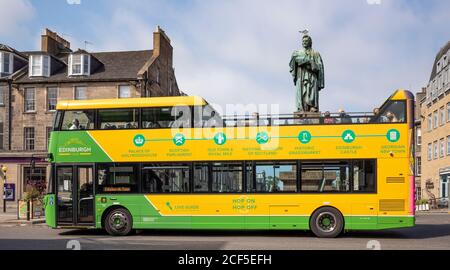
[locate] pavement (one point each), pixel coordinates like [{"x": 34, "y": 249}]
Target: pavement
[
  {"x": 10, "y": 217},
  {"x": 432, "y": 232}
]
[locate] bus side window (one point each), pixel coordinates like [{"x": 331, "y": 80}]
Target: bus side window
[
  {"x": 201, "y": 177},
  {"x": 78, "y": 120},
  {"x": 206, "y": 116},
  {"x": 171, "y": 178},
  {"x": 116, "y": 178},
  {"x": 118, "y": 119},
  {"x": 364, "y": 176},
  {"x": 57, "y": 121}
]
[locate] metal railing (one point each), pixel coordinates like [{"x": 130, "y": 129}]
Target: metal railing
[{"x": 301, "y": 119}]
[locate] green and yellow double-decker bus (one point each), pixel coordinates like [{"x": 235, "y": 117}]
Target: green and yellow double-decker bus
[{"x": 175, "y": 163}]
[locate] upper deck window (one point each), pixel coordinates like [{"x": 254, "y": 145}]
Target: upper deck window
[
  {"x": 78, "y": 120},
  {"x": 206, "y": 116},
  {"x": 392, "y": 112},
  {"x": 166, "y": 117},
  {"x": 118, "y": 119}
]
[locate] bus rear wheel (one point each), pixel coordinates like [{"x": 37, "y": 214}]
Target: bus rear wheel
[
  {"x": 326, "y": 222},
  {"x": 118, "y": 222}
]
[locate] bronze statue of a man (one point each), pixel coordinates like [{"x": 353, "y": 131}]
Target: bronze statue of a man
[{"x": 309, "y": 78}]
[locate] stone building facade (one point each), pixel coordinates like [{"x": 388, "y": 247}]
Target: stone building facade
[
  {"x": 418, "y": 143},
  {"x": 435, "y": 136},
  {"x": 31, "y": 83}
]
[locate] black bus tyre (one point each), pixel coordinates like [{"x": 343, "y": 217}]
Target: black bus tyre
[
  {"x": 118, "y": 222},
  {"x": 326, "y": 222}
]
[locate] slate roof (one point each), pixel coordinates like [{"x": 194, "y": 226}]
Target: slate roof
[
  {"x": 114, "y": 66},
  {"x": 441, "y": 53},
  {"x": 6, "y": 48}
]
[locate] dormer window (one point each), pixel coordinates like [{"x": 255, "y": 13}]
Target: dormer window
[
  {"x": 6, "y": 63},
  {"x": 79, "y": 64},
  {"x": 39, "y": 66}
]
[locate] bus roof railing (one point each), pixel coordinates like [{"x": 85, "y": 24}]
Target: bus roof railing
[{"x": 302, "y": 119}]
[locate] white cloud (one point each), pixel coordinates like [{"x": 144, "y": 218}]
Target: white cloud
[
  {"x": 369, "y": 51},
  {"x": 15, "y": 14},
  {"x": 238, "y": 51}
]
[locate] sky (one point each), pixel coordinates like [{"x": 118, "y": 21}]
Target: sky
[{"x": 238, "y": 51}]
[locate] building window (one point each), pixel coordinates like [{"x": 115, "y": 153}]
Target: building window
[
  {"x": 1, "y": 135},
  {"x": 418, "y": 166},
  {"x": 418, "y": 193},
  {"x": 441, "y": 148},
  {"x": 29, "y": 138},
  {"x": 2, "y": 94},
  {"x": 445, "y": 76},
  {"x": 6, "y": 63},
  {"x": 448, "y": 145},
  {"x": 80, "y": 92},
  {"x": 430, "y": 152},
  {"x": 48, "y": 131},
  {"x": 448, "y": 112},
  {"x": 37, "y": 177},
  {"x": 30, "y": 100},
  {"x": 419, "y": 136},
  {"x": 158, "y": 75},
  {"x": 436, "y": 149},
  {"x": 79, "y": 64},
  {"x": 430, "y": 123},
  {"x": 52, "y": 98},
  {"x": 435, "y": 119},
  {"x": 441, "y": 116},
  {"x": 124, "y": 91},
  {"x": 39, "y": 65}
]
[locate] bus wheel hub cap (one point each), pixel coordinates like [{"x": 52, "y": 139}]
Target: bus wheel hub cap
[
  {"x": 326, "y": 222},
  {"x": 118, "y": 221}
]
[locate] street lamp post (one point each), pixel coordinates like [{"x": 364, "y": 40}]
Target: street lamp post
[{"x": 4, "y": 170}]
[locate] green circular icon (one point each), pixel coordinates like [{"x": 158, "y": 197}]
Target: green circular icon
[
  {"x": 304, "y": 137},
  {"x": 262, "y": 137},
  {"x": 220, "y": 138},
  {"x": 179, "y": 139},
  {"x": 393, "y": 135},
  {"x": 139, "y": 140},
  {"x": 348, "y": 136}
]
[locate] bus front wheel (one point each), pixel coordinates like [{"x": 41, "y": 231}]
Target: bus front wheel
[
  {"x": 326, "y": 222},
  {"x": 118, "y": 222}
]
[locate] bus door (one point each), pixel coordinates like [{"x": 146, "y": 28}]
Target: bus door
[{"x": 75, "y": 195}]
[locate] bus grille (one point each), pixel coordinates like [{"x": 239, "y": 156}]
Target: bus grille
[
  {"x": 395, "y": 180},
  {"x": 392, "y": 205}
]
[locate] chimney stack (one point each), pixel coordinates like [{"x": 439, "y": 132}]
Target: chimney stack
[
  {"x": 161, "y": 45},
  {"x": 53, "y": 44}
]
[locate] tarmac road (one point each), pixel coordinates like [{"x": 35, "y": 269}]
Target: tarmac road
[{"x": 431, "y": 232}]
